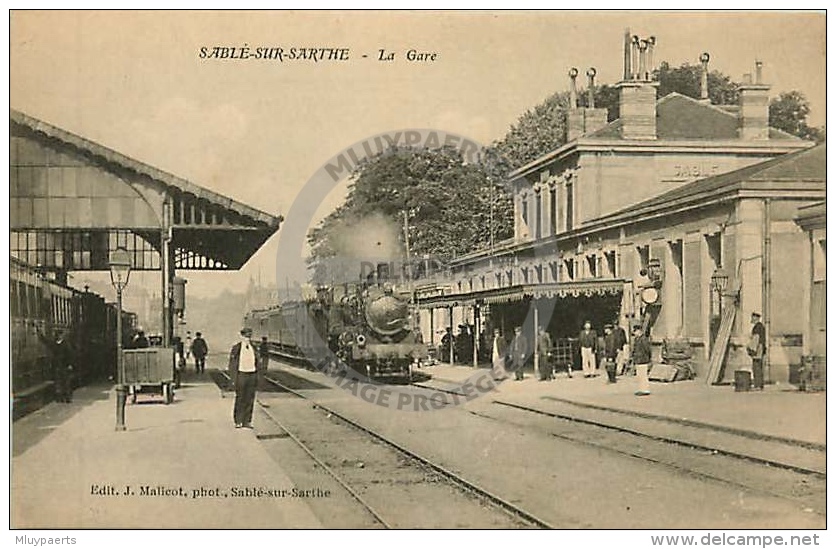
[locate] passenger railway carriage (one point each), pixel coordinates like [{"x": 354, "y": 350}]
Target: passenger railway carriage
[{"x": 40, "y": 308}]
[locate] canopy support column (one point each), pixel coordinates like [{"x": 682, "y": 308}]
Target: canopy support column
[{"x": 167, "y": 272}]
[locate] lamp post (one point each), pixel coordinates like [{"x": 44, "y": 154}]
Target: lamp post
[
  {"x": 720, "y": 282},
  {"x": 120, "y": 272}
]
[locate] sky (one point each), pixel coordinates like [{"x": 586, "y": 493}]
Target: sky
[{"x": 257, "y": 131}]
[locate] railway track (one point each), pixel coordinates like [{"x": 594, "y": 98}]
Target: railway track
[
  {"x": 603, "y": 418},
  {"x": 805, "y": 464},
  {"x": 767, "y": 465},
  {"x": 741, "y": 477},
  {"x": 330, "y": 423}
]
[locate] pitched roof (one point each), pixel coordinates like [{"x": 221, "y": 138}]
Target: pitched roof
[
  {"x": 804, "y": 166},
  {"x": 95, "y": 149},
  {"x": 812, "y": 216},
  {"x": 678, "y": 118},
  {"x": 681, "y": 117}
]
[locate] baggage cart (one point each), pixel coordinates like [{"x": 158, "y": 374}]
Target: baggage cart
[{"x": 150, "y": 370}]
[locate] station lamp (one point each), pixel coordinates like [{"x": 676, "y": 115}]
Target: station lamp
[{"x": 120, "y": 273}]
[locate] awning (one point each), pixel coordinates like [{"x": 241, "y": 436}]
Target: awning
[
  {"x": 511, "y": 294},
  {"x": 73, "y": 201},
  {"x": 581, "y": 288}
]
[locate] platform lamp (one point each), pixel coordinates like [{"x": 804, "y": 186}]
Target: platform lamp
[
  {"x": 120, "y": 272},
  {"x": 720, "y": 283}
]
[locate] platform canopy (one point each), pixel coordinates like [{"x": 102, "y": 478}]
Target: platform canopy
[
  {"x": 73, "y": 201},
  {"x": 436, "y": 297}
]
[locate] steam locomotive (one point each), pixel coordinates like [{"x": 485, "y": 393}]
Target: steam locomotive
[
  {"x": 366, "y": 327},
  {"x": 39, "y": 309}
]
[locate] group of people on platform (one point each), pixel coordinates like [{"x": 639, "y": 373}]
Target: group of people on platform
[
  {"x": 613, "y": 351},
  {"x": 196, "y": 348},
  {"x": 461, "y": 344}
]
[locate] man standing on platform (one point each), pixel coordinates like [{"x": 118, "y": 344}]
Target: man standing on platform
[
  {"x": 756, "y": 349},
  {"x": 641, "y": 360},
  {"x": 264, "y": 354},
  {"x": 519, "y": 352},
  {"x": 187, "y": 344},
  {"x": 588, "y": 340},
  {"x": 611, "y": 350},
  {"x": 62, "y": 365},
  {"x": 199, "y": 349},
  {"x": 500, "y": 349},
  {"x": 243, "y": 371},
  {"x": 623, "y": 350},
  {"x": 544, "y": 348}
]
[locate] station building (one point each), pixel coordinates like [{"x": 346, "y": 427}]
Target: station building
[{"x": 693, "y": 200}]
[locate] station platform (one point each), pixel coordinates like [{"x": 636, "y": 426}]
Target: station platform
[
  {"x": 779, "y": 411},
  {"x": 174, "y": 467}
]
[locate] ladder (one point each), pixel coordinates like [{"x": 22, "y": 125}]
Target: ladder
[{"x": 716, "y": 362}]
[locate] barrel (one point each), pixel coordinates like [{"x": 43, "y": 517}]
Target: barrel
[{"x": 742, "y": 380}]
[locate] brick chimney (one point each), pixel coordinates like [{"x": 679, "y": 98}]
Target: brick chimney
[
  {"x": 638, "y": 92},
  {"x": 754, "y": 106},
  {"x": 581, "y": 121},
  {"x": 594, "y": 119},
  {"x": 574, "y": 116}
]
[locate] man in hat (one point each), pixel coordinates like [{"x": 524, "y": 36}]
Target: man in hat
[
  {"x": 544, "y": 354},
  {"x": 199, "y": 350},
  {"x": 62, "y": 365},
  {"x": 588, "y": 341},
  {"x": 756, "y": 349},
  {"x": 498, "y": 352},
  {"x": 622, "y": 347},
  {"x": 612, "y": 346},
  {"x": 518, "y": 353},
  {"x": 243, "y": 371},
  {"x": 641, "y": 360}
]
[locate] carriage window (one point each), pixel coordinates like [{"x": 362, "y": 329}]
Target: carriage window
[
  {"x": 13, "y": 299},
  {"x": 21, "y": 296},
  {"x": 32, "y": 301},
  {"x": 41, "y": 306}
]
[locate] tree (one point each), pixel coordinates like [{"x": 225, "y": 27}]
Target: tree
[
  {"x": 686, "y": 79},
  {"x": 543, "y": 128},
  {"x": 452, "y": 208},
  {"x": 537, "y": 131},
  {"x": 789, "y": 111}
]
